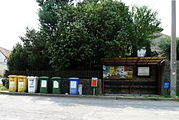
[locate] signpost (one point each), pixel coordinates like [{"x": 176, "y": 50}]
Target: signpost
[{"x": 94, "y": 82}]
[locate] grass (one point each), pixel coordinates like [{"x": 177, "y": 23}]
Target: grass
[
  {"x": 158, "y": 97},
  {"x": 100, "y": 95}
]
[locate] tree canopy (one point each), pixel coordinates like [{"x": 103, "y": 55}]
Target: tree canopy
[
  {"x": 32, "y": 55},
  {"x": 79, "y": 34}
]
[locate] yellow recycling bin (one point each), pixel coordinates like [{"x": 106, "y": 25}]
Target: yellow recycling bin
[
  {"x": 22, "y": 84},
  {"x": 12, "y": 83}
]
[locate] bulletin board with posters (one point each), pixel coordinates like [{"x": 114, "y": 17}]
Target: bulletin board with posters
[{"x": 117, "y": 72}]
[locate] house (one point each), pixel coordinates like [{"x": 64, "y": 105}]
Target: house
[
  {"x": 4, "y": 54},
  {"x": 156, "y": 42}
]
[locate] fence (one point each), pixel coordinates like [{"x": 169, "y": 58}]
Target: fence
[{"x": 86, "y": 74}]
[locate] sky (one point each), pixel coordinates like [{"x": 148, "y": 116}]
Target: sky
[{"x": 16, "y": 15}]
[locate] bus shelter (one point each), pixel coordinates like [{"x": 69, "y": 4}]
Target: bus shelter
[{"x": 132, "y": 75}]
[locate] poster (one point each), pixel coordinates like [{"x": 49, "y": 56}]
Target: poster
[
  {"x": 143, "y": 71},
  {"x": 11, "y": 84},
  {"x": 112, "y": 70},
  {"x": 20, "y": 84},
  {"x": 118, "y": 72},
  {"x": 73, "y": 84},
  {"x": 55, "y": 84},
  {"x": 44, "y": 83}
]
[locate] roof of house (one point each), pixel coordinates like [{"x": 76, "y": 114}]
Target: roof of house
[
  {"x": 156, "y": 41},
  {"x": 5, "y": 52}
]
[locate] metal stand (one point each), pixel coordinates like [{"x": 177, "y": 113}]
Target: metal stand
[{"x": 94, "y": 91}]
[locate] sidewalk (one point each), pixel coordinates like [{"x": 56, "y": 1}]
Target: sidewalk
[{"x": 108, "y": 96}]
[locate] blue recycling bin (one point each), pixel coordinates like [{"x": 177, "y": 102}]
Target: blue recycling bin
[{"x": 74, "y": 82}]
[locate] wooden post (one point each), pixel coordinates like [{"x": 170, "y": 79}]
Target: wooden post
[{"x": 159, "y": 79}]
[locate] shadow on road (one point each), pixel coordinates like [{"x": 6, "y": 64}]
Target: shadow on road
[{"x": 140, "y": 104}]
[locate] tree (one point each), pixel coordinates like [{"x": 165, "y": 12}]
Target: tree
[
  {"x": 145, "y": 26},
  {"x": 18, "y": 59},
  {"x": 36, "y": 46},
  {"x": 32, "y": 55},
  {"x": 48, "y": 13},
  {"x": 109, "y": 23},
  {"x": 94, "y": 29},
  {"x": 73, "y": 35},
  {"x": 85, "y": 32},
  {"x": 164, "y": 45}
]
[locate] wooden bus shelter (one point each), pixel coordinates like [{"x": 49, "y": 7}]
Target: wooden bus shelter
[{"x": 132, "y": 75}]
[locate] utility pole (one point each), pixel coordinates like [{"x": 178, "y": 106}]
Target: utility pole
[{"x": 173, "y": 64}]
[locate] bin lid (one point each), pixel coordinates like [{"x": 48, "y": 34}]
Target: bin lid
[
  {"x": 56, "y": 78},
  {"x": 32, "y": 77},
  {"x": 44, "y": 77},
  {"x": 74, "y": 78},
  {"x": 21, "y": 76},
  {"x": 5, "y": 78},
  {"x": 12, "y": 76}
]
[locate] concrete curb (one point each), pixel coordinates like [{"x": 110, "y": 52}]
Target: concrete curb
[{"x": 91, "y": 96}]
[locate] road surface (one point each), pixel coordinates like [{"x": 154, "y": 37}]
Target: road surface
[{"x": 63, "y": 108}]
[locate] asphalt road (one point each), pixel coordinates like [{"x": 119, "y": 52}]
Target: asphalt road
[{"x": 59, "y": 108}]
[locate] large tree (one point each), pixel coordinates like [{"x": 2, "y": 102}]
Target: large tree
[
  {"x": 80, "y": 34},
  {"x": 145, "y": 26},
  {"x": 84, "y": 33},
  {"x": 32, "y": 54},
  {"x": 18, "y": 59}
]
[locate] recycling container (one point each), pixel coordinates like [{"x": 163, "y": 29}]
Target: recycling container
[
  {"x": 74, "y": 82},
  {"x": 44, "y": 84},
  {"x": 13, "y": 84},
  {"x": 1, "y": 83},
  {"x": 5, "y": 82},
  {"x": 22, "y": 84},
  {"x": 32, "y": 84},
  {"x": 57, "y": 85}
]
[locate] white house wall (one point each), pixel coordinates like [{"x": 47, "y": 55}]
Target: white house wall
[
  {"x": 3, "y": 64},
  {"x": 2, "y": 58}
]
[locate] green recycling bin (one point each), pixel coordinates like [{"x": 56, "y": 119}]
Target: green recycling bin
[
  {"x": 57, "y": 85},
  {"x": 44, "y": 84}
]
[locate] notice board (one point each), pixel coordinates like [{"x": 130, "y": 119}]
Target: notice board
[{"x": 117, "y": 72}]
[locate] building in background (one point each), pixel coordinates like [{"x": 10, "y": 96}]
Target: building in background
[{"x": 4, "y": 54}]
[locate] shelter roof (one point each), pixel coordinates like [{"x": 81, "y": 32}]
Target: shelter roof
[{"x": 132, "y": 61}]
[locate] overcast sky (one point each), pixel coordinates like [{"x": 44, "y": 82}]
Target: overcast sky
[{"x": 16, "y": 15}]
